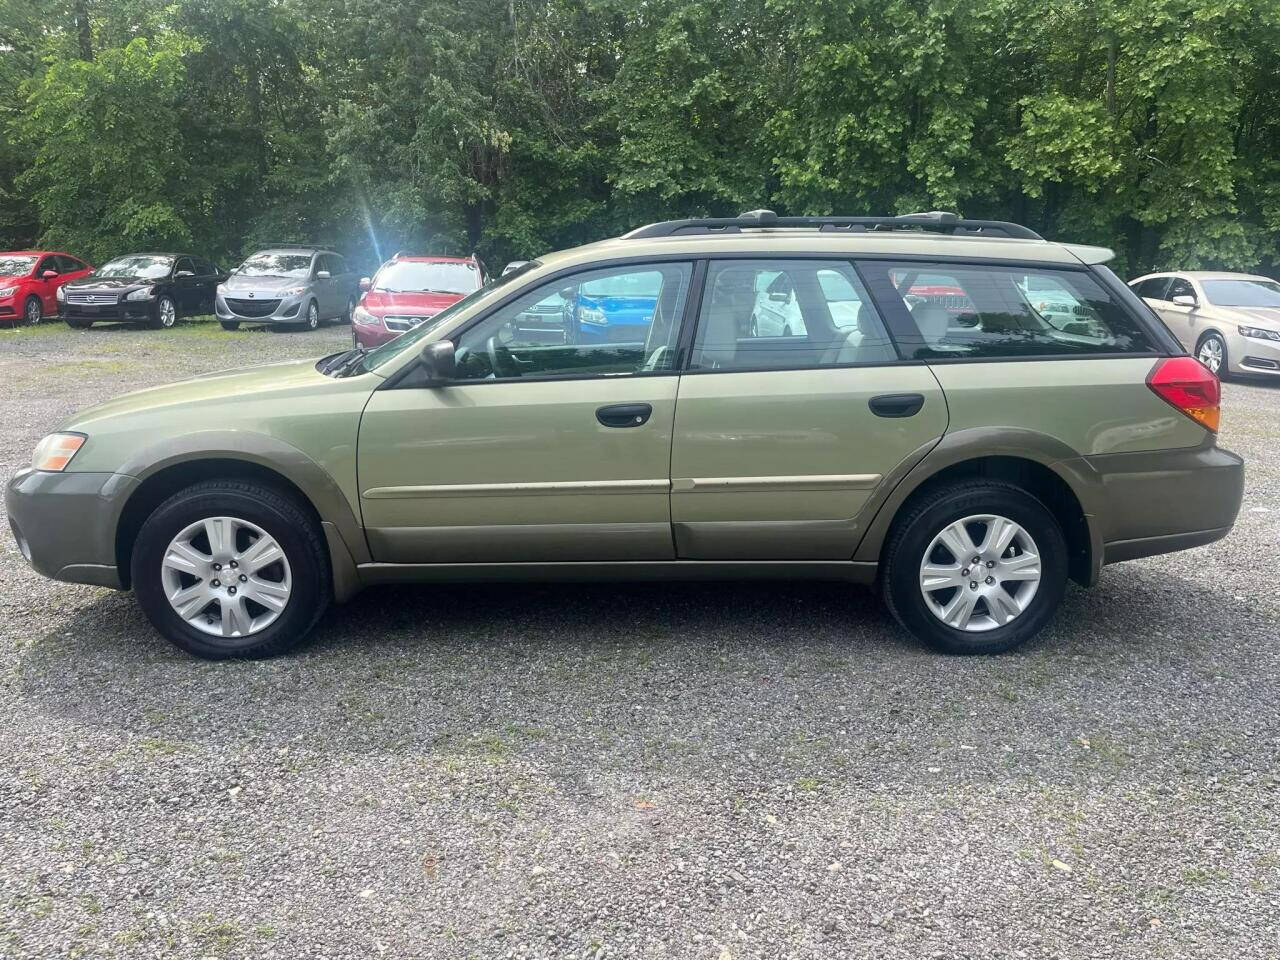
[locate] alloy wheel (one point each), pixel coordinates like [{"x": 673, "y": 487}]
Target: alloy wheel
[
  {"x": 1210, "y": 353},
  {"x": 313, "y": 316},
  {"x": 168, "y": 313},
  {"x": 226, "y": 577},
  {"x": 980, "y": 573},
  {"x": 32, "y": 312}
]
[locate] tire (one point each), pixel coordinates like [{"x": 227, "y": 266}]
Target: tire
[
  {"x": 303, "y": 575},
  {"x": 76, "y": 324},
  {"x": 165, "y": 313},
  {"x": 32, "y": 312},
  {"x": 312, "y": 321},
  {"x": 913, "y": 540},
  {"x": 1212, "y": 347},
  {"x": 355, "y": 340},
  {"x": 351, "y": 307},
  {"x": 230, "y": 324}
]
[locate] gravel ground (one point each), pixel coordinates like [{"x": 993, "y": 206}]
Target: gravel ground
[{"x": 705, "y": 771}]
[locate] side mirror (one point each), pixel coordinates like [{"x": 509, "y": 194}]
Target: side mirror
[
  {"x": 184, "y": 273},
  {"x": 1184, "y": 300},
  {"x": 779, "y": 296},
  {"x": 437, "y": 358},
  {"x": 49, "y": 274},
  {"x": 365, "y": 284},
  {"x": 323, "y": 274}
]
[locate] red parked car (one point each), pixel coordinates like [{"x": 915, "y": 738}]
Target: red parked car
[
  {"x": 407, "y": 291},
  {"x": 29, "y": 282}
]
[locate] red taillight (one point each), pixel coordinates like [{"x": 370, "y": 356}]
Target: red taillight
[{"x": 1188, "y": 385}]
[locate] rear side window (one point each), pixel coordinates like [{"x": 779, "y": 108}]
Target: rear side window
[
  {"x": 69, "y": 264},
  {"x": 787, "y": 315},
  {"x": 976, "y": 312}
]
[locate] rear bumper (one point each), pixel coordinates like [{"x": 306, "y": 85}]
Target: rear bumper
[
  {"x": 65, "y": 523},
  {"x": 1166, "y": 500}
]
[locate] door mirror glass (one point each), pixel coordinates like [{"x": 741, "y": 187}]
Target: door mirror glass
[
  {"x": 438, "y": 359},
  {"x": 1184, "y": 300},
  {"x": 184, "y": 273},
  {"x": 365, "y": 284},
  {"x": 323, "y": 274}
]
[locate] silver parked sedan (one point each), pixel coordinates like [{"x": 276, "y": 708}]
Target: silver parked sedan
[
  {"x": 1230, "y": 321},
  {"x": 299, "y": 286}
]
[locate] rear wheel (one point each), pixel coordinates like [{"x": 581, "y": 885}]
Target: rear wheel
[
  {"x": 165, "y": 314},
  {"x": 976, "y": 567},
  {"x": 1212, "y": 352},
  {"x": 230, "y": 324},
  {"x": 229, "y": 568},
  {"x": 31, "y": 311}
]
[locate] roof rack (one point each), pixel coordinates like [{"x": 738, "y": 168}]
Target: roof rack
[{"x": 935, "y": 220}]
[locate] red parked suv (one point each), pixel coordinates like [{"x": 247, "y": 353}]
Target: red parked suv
[
  {"x": 29, "y": 282},
  {"x": 407, "y": 291}
]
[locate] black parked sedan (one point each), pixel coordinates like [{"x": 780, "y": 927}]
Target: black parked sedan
[{"x": 152, "y": 288}]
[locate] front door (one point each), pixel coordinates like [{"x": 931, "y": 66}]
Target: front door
[
  {"x": 781, "y": 440},
  {"x": 47, "y": 289},
  {"x": 543, "y": 448},
  {"x": 1182, "y": 320}
]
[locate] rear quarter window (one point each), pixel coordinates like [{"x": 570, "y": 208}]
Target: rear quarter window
[{"x": 991, "y": 312}]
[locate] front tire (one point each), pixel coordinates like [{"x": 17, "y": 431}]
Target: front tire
[
  {"x": 351, "y": 308},
  {"x": 312, "y": 321},
  {"x": 230, "y": 324},
  {"x": 975, "y": 567},
  {"x": 230, "y": 568},
  {"x": 165, "y": 314},
  {"x": 76, "y": 324},
  {"x": 1212, "y": 352},
  {"x": 32, "y": 311}
]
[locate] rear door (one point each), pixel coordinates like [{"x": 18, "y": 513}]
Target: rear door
[{"x": 780, "y": 441}]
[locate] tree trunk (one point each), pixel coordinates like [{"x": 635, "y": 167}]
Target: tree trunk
[{"x": 84, "y": 29}]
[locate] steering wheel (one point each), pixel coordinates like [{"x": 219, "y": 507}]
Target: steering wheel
[{"x": 501, "y": 362}]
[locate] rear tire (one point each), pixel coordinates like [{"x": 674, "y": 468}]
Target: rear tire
[
  {"x": 253, "y": 505},
  {"x": 230, "y": 324},
  {"x": 916, "y": 538}
]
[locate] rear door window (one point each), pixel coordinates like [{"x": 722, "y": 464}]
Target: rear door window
[{"x": 981, "y": 312}]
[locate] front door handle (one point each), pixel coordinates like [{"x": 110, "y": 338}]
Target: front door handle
[
  {"x": 896, "y": 404},
  {"x": 624, "y": 414}
]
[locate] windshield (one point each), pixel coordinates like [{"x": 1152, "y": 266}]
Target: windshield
[
  {"x": 138, "y": 268},
  {"x": 11, "y": 266},
  {"x": 296, "y": 265},
  {"x": 380, "y": 355},
  {"x": 1242, "y": 293},
  {"x": 411, "y": 276}
]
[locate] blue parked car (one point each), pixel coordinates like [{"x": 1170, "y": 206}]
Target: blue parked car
[{"x": 617, "y": 309}]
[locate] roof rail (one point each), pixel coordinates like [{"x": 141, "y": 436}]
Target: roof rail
[{"x": 934, "y": 220}]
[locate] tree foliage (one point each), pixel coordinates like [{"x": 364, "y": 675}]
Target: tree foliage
[{"x": 510, "y": 127}]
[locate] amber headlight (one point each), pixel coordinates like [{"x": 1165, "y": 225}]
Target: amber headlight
[{"x": 55, "y": 451}]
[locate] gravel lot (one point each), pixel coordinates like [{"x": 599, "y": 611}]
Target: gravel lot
[{"x": 705, "y": 771}]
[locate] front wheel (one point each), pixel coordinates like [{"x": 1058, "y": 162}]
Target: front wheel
[
  {"x": 77, "y": 324},
  {"x": 230, "y": 324},
  {"x": 165, "y": 314},
  {"x": 1212, "y": 352},
  {"x": 312, "y": 320},
  {"x": 976, "y": 567},
  {"x": 228, "y": 568},
  {"x": 32, "y": 312},
  {"x": 351, "y": 308}
]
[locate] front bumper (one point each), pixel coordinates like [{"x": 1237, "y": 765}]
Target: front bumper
[
  {"x": 126, "y": 311},
  {"x": 261, "y": 308},
  {"x": 1253, "y": 357},
  {"x": 65, "y": 523}
]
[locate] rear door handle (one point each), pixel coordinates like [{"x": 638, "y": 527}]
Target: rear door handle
[
  {"x": 896, "y": 404},
  {"x": 624, "y": 414}
]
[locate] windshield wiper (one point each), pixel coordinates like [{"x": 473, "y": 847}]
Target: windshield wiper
[{"x": 344, "y": 363}]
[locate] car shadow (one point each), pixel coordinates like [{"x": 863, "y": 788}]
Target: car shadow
[{"x": 786, "y": 680}]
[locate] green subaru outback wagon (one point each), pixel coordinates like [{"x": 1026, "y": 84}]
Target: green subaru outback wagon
[{"x": 924, "y": 427}]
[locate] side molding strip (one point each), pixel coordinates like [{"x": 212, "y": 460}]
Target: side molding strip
[
  {"x": 834, "y": 481},
  {"x": 550, "y": 489}
]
